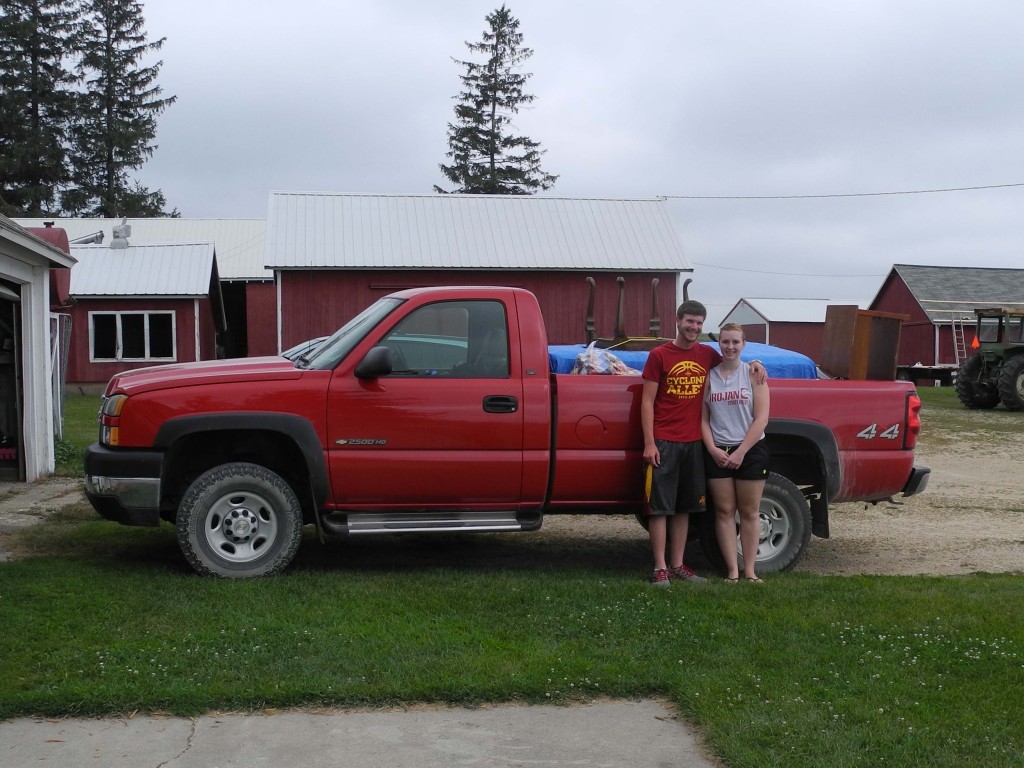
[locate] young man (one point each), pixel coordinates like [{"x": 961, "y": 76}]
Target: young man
[{"x": 670, "y": 413}]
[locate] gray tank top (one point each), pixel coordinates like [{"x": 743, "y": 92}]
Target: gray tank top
[{"x": 730, "y": 402}]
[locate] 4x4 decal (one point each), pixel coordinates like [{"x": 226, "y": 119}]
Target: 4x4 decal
[{"x": 871, "y": 432}]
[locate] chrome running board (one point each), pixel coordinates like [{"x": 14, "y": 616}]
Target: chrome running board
[{"x": 352, "y": 523}]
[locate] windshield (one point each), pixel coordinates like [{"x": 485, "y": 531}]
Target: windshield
[{"x": 333, "y": 351}]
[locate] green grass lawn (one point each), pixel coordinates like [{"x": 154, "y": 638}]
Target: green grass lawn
[
  {"x": 801, "y": 671},
  {"x": 80, "y": 430}
]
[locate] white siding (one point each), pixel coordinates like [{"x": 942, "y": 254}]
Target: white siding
[{"x": 25, "y": 261}]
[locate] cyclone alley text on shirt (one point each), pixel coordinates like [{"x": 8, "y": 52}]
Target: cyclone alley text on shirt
[{"x": 686, "y": 379}]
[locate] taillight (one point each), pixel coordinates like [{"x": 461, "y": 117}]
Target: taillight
[
  {"x": 110, "y": 419},
  {"x": 913, "y": 430}
]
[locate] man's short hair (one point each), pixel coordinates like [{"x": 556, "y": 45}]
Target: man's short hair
[{"x": 692, "y": 307}]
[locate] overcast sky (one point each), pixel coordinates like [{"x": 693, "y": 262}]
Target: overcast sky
[{"x": 688, "y": 99}]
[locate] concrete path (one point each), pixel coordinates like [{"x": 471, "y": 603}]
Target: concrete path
[{"x": 609, "y": 734}]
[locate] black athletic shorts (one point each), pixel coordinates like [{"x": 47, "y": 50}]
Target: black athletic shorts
[
  {"x": 754, "y": 466},
  {"x": 677, "y": 486}
]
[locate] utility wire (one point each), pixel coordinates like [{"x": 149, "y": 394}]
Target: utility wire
[
  {"x": 785, "y": 274},
  {"x": 847, "y": 194}
]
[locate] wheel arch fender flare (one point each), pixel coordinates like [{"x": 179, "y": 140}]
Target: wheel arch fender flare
[
  {"x": 294, "y": 427},
  {"x": 823, "y": 438}
]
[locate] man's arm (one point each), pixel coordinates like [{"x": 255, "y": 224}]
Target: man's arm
[
  {"x": 758, "y": 371},
  {"x": 650, "y": 391}
]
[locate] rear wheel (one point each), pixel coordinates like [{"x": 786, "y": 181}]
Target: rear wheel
[
  {"x": 971, "y": 389},
  {"x": 784, "y": 524},
  {"x": 239, "y": 520},
  {"x": 1011, "y": 383}
]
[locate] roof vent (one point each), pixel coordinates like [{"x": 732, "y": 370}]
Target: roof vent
[
  {"x": 95, "y": 237},
  {"x": 121, "y": 234}
]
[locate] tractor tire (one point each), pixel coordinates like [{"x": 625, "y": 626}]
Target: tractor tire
[
  {"x": 1011, "y": 383},
  {"x": 973, "y": 392}
]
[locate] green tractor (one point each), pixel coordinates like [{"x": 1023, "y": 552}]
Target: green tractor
[{"x": 995, "y": 372}]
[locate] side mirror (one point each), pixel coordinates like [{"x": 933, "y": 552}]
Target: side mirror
[{"x": 377, "y": 363}]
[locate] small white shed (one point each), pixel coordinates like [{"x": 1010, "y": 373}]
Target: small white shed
[{"x": 26, "y": 362}]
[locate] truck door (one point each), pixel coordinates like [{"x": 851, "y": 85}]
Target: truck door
[{"x": 445, "y": 428}]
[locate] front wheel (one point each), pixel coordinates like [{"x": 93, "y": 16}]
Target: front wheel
[
  {"x": 1011, "y": 383},
  {"x": 784, "y": 523},
  {"x": 239, "y": 520}
]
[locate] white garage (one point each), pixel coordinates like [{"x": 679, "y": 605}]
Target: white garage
[{"x": 26, "y": 359}]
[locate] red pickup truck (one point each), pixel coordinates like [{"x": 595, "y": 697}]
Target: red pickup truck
[{"x": 435, "y": 410}]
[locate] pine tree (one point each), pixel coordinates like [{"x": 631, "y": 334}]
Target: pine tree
[
  {"x": 36, "y": 99},
  {"x": 486, "y": 157},
  {"x": 116, "y": 118}
]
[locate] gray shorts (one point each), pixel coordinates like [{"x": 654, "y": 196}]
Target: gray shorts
[{"x": 677, "y": 486}]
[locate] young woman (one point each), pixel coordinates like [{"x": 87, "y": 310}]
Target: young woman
[{"x": 735, "y": 413}]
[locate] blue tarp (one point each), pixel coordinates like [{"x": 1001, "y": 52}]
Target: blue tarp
[{"x": 780, "y": 363}]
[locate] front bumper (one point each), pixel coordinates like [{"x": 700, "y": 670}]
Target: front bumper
[
  {"x": 918, "y": 481},
  {"x": 124, "y": 485}
]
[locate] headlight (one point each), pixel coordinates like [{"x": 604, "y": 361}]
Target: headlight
[{"x": 110, "y": 417}]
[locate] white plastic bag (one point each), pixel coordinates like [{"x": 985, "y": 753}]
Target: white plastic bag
[{"x": 594, "y": 360}]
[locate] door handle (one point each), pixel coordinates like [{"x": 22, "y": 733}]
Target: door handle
[{"x": 501, "y": 404}]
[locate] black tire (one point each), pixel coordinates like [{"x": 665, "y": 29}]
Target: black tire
[
  {"x": 785, "y": 520},
  {"x": 1011, "y": 383},
  {"x": 972, "y": 391},
  {"x": 238, "y": 521}
]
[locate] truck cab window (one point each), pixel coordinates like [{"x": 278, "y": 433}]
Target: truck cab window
[{"x": 451, "y": 338}]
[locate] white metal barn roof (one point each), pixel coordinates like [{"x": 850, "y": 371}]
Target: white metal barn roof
[
  {"x": 754, "y": 310},
  {"x": 310, "y": 230},
  {"x": 174, "y": 270},
  {"x": 240, "y": 242}
]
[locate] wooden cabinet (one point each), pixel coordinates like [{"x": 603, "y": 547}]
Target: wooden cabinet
[{"x": 861, "y": 343}]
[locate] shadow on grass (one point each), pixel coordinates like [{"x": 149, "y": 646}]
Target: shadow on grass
[
  {"x": 77, "y": 533},
  {"x": 469, "y": 552}
]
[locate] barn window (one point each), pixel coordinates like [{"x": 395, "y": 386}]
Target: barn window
[{"x": 139, "y": 336}]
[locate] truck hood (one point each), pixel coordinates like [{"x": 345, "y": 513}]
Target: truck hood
[{"x": 177, "y": 375}]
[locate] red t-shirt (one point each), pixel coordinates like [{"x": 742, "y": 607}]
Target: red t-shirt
[{"x": 680, "y": 374}]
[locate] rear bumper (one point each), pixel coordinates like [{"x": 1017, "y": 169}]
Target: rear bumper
[
  {"x": 124, "y": 485},
  {"x": 918, "y": 481}
]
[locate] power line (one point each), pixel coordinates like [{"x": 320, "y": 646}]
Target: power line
[
  {"x": 785, "y": 274},
  {"x": 844, "y": 194}
]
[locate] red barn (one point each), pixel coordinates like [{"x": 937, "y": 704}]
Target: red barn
[
  {"x": 795, "y": 324},
  {"x": 139, "y": 305},
  {"x": 333, "y": 254},
  {"x": 936, "y": 298},
  {"x": 247, "y": 289}
]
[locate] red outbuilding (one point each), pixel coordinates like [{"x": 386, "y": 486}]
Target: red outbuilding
[
  {"x": 333, "y": 254},
  {"x": 939, "y": 300},
  {"x": 139, "y": 305}
]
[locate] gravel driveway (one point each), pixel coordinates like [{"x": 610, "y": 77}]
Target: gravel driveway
[{"x": 970, "y": 519}]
